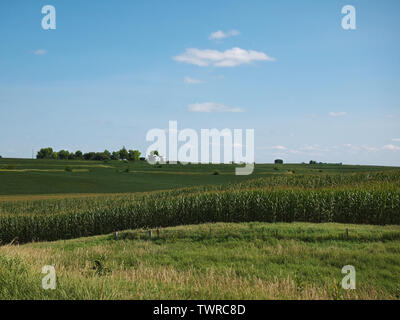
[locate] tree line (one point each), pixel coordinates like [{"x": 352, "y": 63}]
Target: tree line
[{"x": 123, "y": 154}]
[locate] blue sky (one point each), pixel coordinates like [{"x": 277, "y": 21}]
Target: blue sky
[{"x": 112, "y": 70}]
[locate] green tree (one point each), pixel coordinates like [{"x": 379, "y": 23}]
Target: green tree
[
  {"x": 89, "y": 155},
  {"x": 78, "y": 155},
  {"x": 63, "y": 154},
  {"x": 115, "y": 155},
  {"x": 45, "y": 153},
  {"x": 107, "y": 155},
  {"x": 101, "y": 156},
  {"x": 134, "y": 155},
  {"x": 123, "y": 154}
]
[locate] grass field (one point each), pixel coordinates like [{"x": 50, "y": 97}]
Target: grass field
[
  {"x": 211, "y": 261},
  {"x": 284, "y": 232},
  {"x": 26, "y": 176}
]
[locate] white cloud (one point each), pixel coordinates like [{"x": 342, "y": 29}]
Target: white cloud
[
  {"x": 40, "y": 51},
  {"x": 352, "y": 147},
  {"x": 192, "y": 80},
  {"x": 212, "y": 107},
  {"x": 396, "y": 139},
  {"x": 337, "y": 114},
  {"x": 371, "y": 149},
  {"x": 218, "y": 35},
  {"x": 391, "y": 147},
  {"x": 229, "y": 58},
  {"x": 279, "y": 148}
]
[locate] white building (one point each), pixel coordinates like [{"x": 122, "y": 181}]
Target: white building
[{"x": 153, "y": 159}]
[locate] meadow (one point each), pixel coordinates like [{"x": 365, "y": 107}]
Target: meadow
[
  {"x": 284, "y": 232},
  {"x": 211, "y": 261}
]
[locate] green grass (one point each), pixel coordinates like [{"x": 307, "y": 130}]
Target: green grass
[
  {"x": 50, "y": 177},
  {"x": 211, "y": 261}
]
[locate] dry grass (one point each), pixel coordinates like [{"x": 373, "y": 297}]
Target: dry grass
[{"x": 182, "y": 266}]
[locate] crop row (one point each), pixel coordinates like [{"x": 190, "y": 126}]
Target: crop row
[{"x": 344, "y": 206}]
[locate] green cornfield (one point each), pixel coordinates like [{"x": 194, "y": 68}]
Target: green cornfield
[{"x": 372, "y": 198}]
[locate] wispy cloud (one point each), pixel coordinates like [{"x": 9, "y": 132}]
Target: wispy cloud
[
  {"x": 371, "y": 149},
  {"x": 337, "y": 114},
  {"x": 396, "y": 139},
  {"x": 391, "y": 147},
  {"x": 212, "y": 107},
  {"x": 282, "y": 148},
  {"x": 219, "y": 35},
  {"x": 192, "y": 80},
  {"x": 229, "y": 58},
  {"x": 39, "y": 52}
]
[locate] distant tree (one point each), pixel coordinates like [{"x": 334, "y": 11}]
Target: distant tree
[
  {"x": 1, "y": 157},
  {"x": 278, "y": 161},
  {"x": 313, "y": 162},
  {"x": 142, "y": 158},
  {"x": 78, "y": 155},
  {"x": 123, "y": 154},
  {"x": 63, "y": 154},
  {"x": 89, "y": 155},
  {"x": 115, "y": 155},
  {"x": 102, "y": 156},
  {"x": 155, "y": 152},
  {"x": 107, "y": 155},
  {"x": 133, "y": 155},
  {"x": 45, "y": 153}
]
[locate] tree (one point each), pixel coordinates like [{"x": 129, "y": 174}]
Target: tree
[
  {"x": 278, "y": 161},
  {"x": 107, "y": 155},
  {"x": 313, "y": 162},
  {"x": 45, "y": 153},
  {"x": 101, "y": 156},
  {"x": 123, "y": 154},
  {"x": 115, "y": 155},
  {"x": 133, "y": 155},
  {"x": 63, "y": 154},
  {"x": 89, "y": 155},
  {"x": 78, "y": 155}
]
